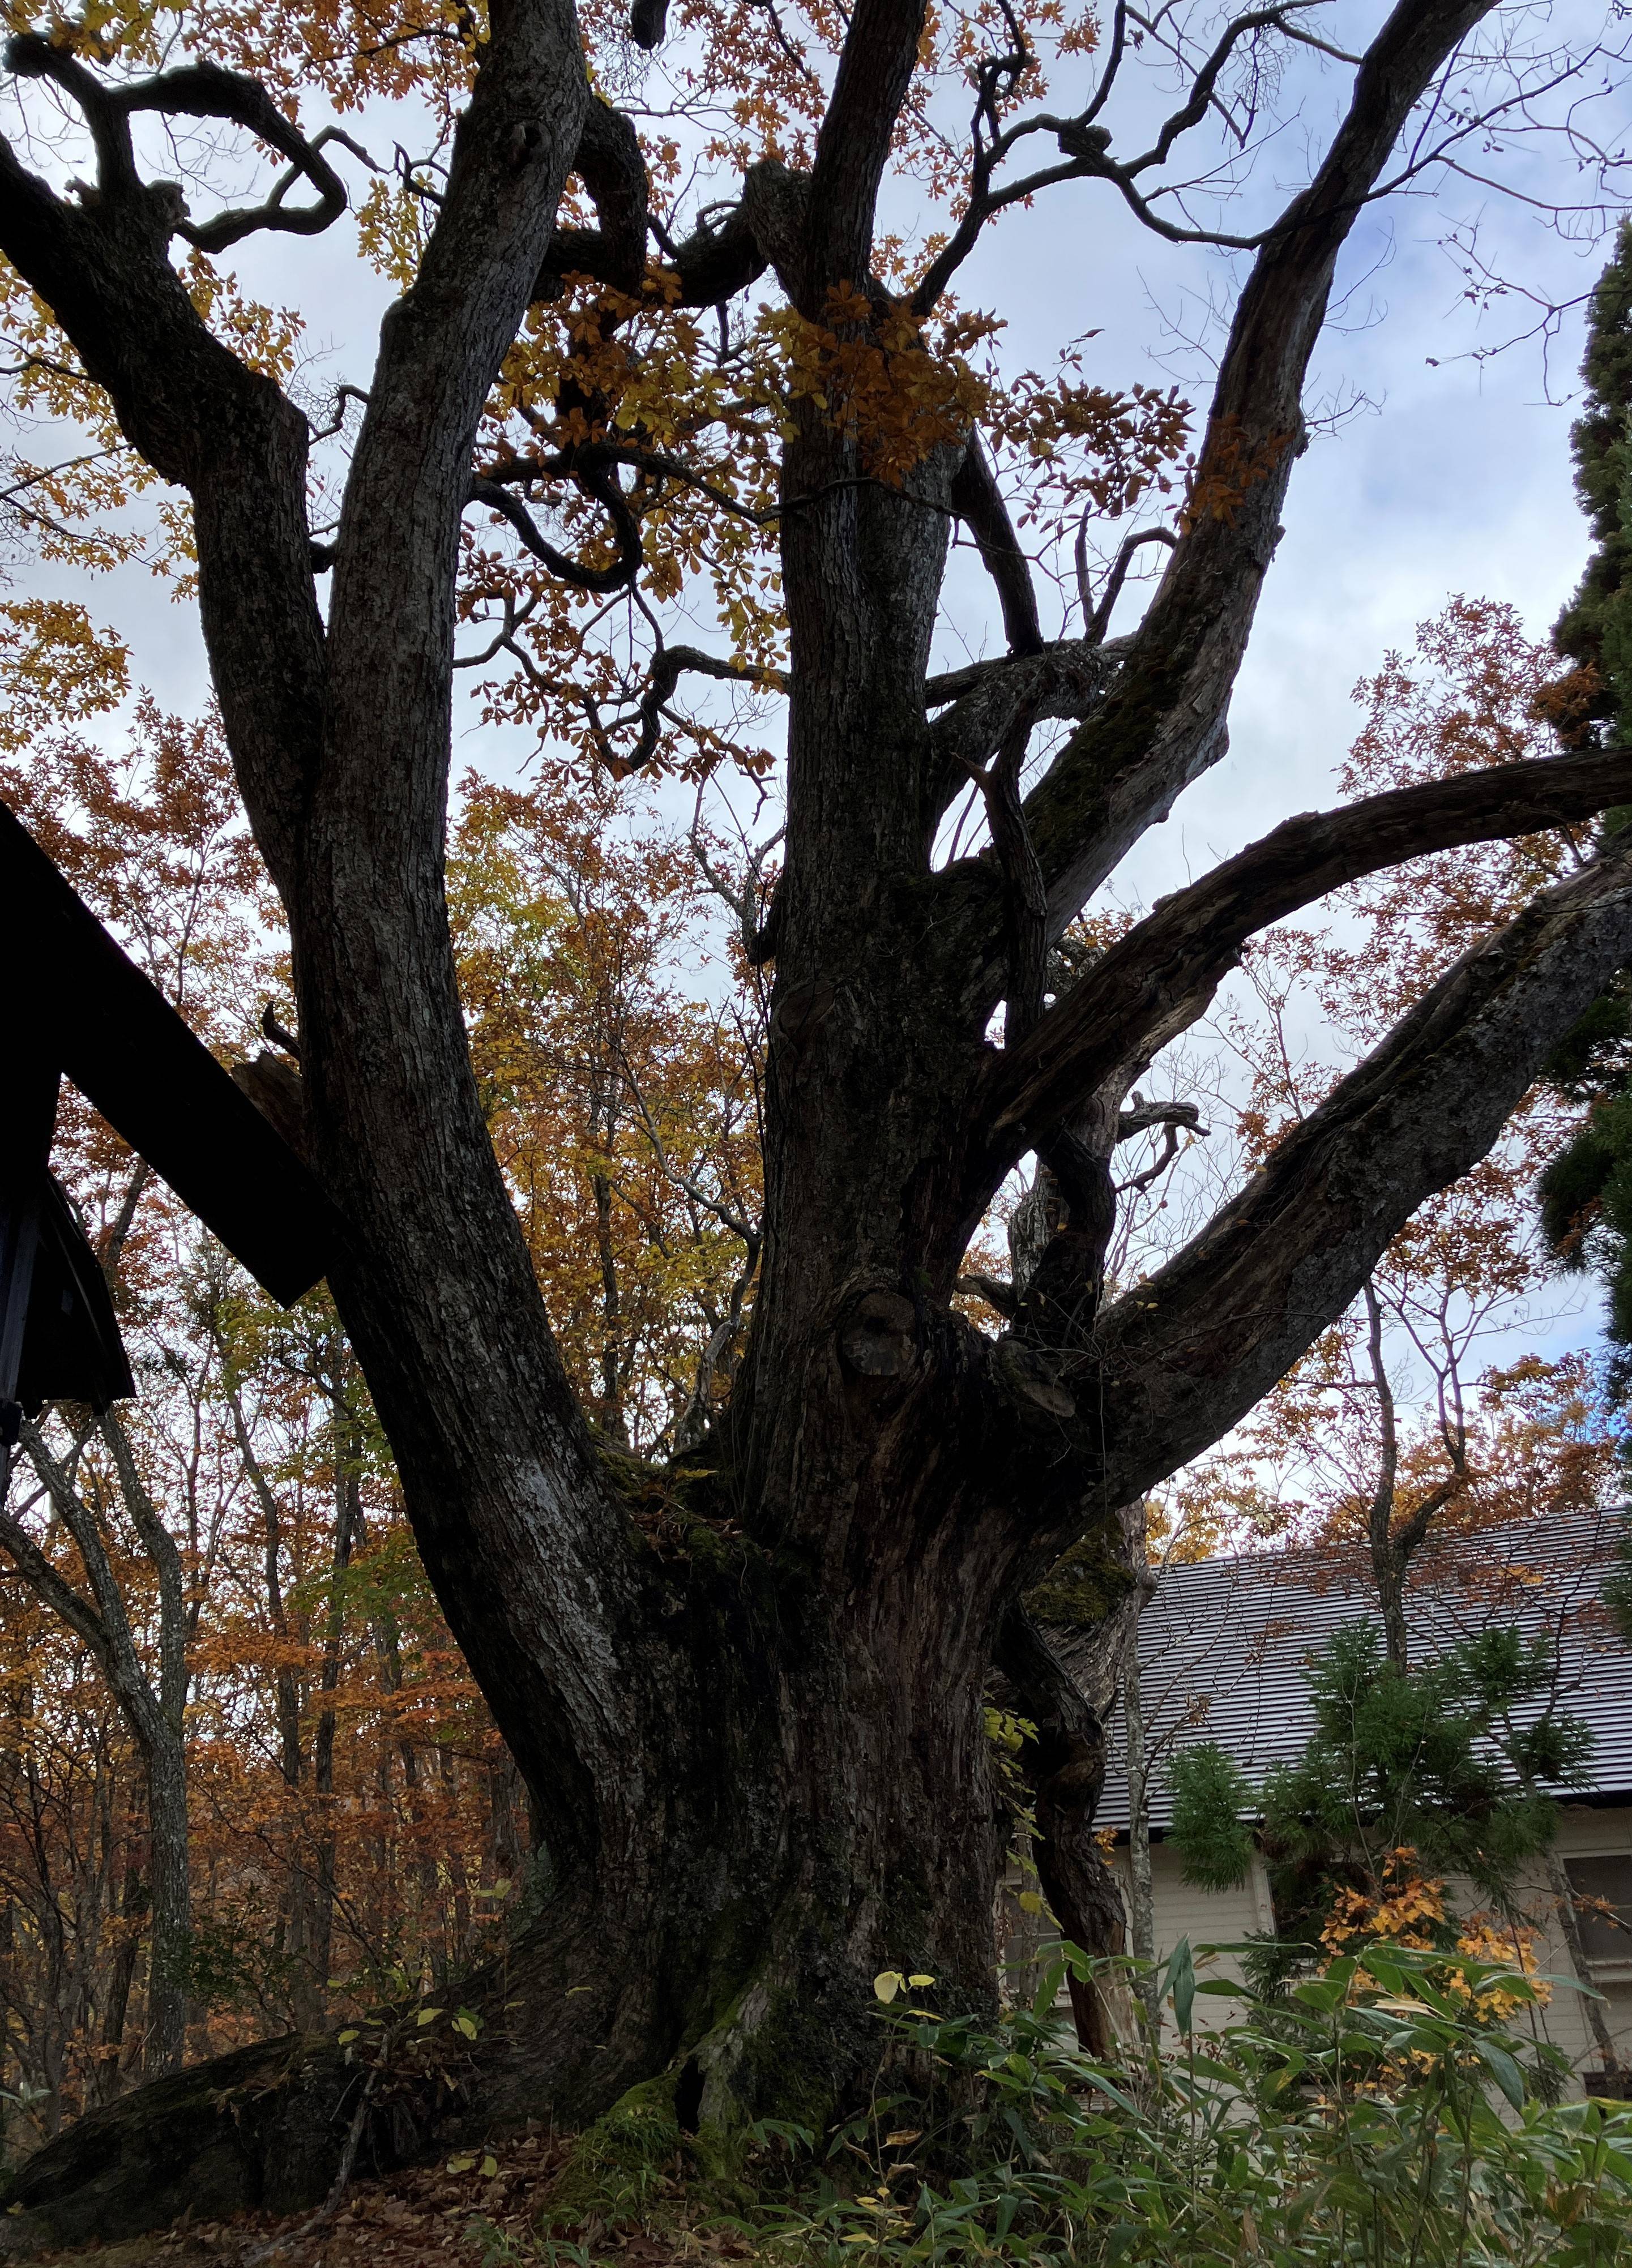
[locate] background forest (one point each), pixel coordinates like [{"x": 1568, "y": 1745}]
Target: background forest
[{"x": 213, "y": 1586}]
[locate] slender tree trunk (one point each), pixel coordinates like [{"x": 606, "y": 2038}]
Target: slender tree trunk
[
  {"x": 291, "y": 1932},
  {"x": 159, "y": 1722},
  {"x": 1396, "y": 1536},
  {"x": 153, "y": 1710},
  {"x": 1388, "y": 1557},
  {"x": 611, "y": 1402},
  {"x": 387, "y": 1651},
  {"x": 134, "y": 1905},
  {"x": 348, "y": 1505},
  {"x": 171, "y": 1908},
  {"x": 506, "y": 1838},
  {"x": 1142, "y": 1902},
  {"x": 1597, "y": 2023}
]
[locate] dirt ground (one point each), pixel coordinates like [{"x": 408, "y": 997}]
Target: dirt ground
[{"x": 472, "y": 2210}]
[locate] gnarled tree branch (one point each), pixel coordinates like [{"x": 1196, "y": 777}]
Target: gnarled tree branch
[
  {"x": 201, "y": 90},
  {"x": 1155, "y": 981},
  {"x": 1185, "y": 1356},
  {"x": 617, "y": 575},
  {"x": 1163, "y": 721}
]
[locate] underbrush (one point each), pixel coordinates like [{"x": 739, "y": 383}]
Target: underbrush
[{"x": 1397, "y": 2110}]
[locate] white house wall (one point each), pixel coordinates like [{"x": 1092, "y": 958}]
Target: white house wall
[
  {"x": 1212, "y": 1918},
  {"x": 1206, "y": 1917},
  {"x": 1584, "y": 1833}
]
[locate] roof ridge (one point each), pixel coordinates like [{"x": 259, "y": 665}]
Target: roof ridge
[{"x": 1291, "y": 1554}]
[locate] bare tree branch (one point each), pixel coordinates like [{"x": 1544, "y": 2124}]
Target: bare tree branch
[
  {"x": 1098, "y": 616},
  {"x": 1185, "y": 1355},
  {"x": 1163, "y": 723},
  {"x": 979, "y": 503},
  {"x": 625, "y": 530},
  {"x": 202, "y": 90},
  {"x": 1157, "y": 979}
]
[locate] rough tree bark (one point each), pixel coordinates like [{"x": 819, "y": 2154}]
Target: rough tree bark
[{"x": 757, "y": 1761}]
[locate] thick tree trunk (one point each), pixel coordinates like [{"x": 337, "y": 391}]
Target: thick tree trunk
[
  {"x": 743, "y": 1980},
  {"x": 828, "y": 1814}
]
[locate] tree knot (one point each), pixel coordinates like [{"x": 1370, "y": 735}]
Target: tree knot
[
  {"x": 1029, "y": 1379},
  {"x": 877, "y": 1339}
]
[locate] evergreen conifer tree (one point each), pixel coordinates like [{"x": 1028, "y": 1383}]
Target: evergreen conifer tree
[
  {"x": 1586, "y": 1192},
  {"x": 1595, "y": 629},
  {"x": 1441, "y": 1770}
]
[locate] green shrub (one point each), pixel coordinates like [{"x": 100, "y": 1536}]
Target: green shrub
[{"x": 1377, "y": 2114}]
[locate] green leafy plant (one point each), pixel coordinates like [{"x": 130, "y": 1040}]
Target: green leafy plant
[{"x": 1376, "y": 2114}]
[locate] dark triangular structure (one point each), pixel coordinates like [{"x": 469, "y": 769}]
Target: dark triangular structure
[{"x": 87, "y": 1011}]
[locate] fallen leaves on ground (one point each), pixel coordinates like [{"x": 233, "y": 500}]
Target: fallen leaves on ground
[{"x": 484, "y": 2212}]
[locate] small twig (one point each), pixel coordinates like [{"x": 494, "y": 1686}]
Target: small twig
[
  {"x": 744, "y": 903},
  {"x": 343, "y": 394}
]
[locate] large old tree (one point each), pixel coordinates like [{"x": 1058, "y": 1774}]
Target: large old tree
[{"x": 751, "y": 1728}]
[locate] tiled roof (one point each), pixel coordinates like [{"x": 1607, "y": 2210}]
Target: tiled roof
[{"x": 1223, "y": 1645}]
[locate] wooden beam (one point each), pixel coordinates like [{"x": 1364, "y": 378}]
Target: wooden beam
[{"x": 128, "y": 1052}]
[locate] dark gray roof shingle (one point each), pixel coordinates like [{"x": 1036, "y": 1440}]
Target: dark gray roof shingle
[{"x": 1223, "y": 1645}]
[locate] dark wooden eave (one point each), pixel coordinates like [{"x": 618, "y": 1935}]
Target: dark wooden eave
[{"x": 131, "y": 1056}]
